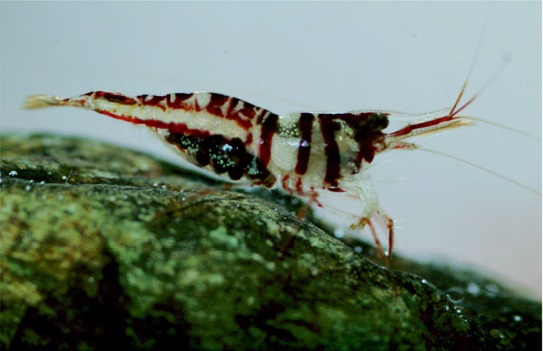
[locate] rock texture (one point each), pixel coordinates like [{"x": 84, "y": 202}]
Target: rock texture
[{"x": 105, "y": 248}]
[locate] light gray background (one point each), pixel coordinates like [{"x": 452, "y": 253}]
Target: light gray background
[{"x": 319, "y": 56}]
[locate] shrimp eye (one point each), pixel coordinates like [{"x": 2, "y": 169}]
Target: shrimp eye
[
  {"x": 377, "y": 122},
  {"x": 371, "y": 126}
]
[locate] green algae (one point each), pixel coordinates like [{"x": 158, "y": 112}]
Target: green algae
[{"x": 95, "y": 255}]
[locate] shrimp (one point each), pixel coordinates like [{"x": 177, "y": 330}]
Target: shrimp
[{"x": 305, "y": 154}]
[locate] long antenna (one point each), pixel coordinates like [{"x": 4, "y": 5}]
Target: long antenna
[
  {"x": 453, "y": 110},
  {"x": 503, "y": 126},
  {"x": 484, "y": 169}
]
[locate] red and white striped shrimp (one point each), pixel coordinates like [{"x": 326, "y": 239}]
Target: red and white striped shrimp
[{"x": 307, "y": 154}]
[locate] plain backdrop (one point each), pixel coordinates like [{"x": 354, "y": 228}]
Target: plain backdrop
[{"x": 407, "y": 56}]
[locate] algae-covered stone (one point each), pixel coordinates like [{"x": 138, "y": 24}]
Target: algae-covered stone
[{"x": 106, "y": 248}]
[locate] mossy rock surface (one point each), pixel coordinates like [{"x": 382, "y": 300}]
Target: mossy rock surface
[{"x": 105, "y": 248}]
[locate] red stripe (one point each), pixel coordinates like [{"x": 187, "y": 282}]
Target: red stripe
[
  {"x": 216, "y": 102},
  {"x": 116, "y": 98},
  {"x": 178, "y": 101},
  {"x": 269, "y": 127},
  {"x": 242, "y": 117},
  {"x": 154, "y": 101},
  {"x": 328, "y": 128},
  {"x": 153, "y": 123},
  {"x": 304, "y": 148}
]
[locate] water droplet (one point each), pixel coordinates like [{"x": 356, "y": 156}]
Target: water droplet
[
  {"x": 294, "y": 201},
  {"x": 491, "y": 289},
  {"x": 358, "y": 249},
  {"x": 473, "y": 289},
  {"x": 517, "y": 318},
  {"x": 339, "y": 233},
  {"x": 91, "y": 280},
  {"x": 13, "y": 174},
  {"x": 28, "y": 188},
  {"x": 455, "y": 295}
]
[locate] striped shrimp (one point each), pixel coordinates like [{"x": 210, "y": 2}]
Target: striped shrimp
[{"x": 306, "y": 154}]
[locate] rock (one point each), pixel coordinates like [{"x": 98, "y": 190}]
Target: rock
[{"x": 106, "y": 248}]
